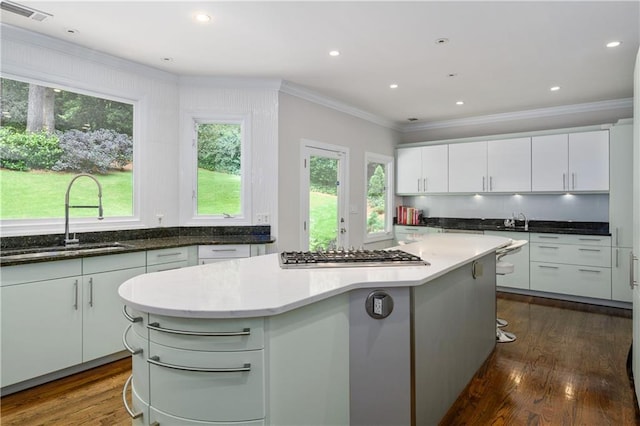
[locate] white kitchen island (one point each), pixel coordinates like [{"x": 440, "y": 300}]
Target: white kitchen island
[{"x": 245, "y": 342}]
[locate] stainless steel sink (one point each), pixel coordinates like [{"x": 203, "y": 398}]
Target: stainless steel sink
[{"x": 61, "y": 251}]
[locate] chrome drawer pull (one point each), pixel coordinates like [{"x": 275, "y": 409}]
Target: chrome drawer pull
[
  {"x": 156, "y": 361},
  {"x": 589, "y": 239},
  {"x": 550, "y": 237},
  {"x": 632, "y": 281},
  {"x": 589, "y": 270},
  {"x": 548, "y": 267},
  {"x": 586, "y": 249},
  {"x": 156, "y": 326},
  {"x": 126, "y": 345},
  {"x": 549, "y": 247},
  {"x": 169, "y": 254},
  {"x": 129, "y": 317},
  {"x": 223, "y": 250},
  {"x": 124, "y": 400}
]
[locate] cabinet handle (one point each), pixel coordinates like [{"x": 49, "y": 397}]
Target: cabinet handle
[
  {"x": 91, "y": 292},
  {"x": 155, "y": 360},
  {"x": 124, "y": 400},
  {"x": 129, "y": 317},
  {"x": 549, "y": 247},
  {"x": 590, "y": 270},
  {"x": 75, "y": 290},
  {"x": 424, "y": 185},
  {"x": 586, "y": 249},
  {"x": 617, "y": 255},
  {"x": 490, "y": 183},
  {"x": 564, "y": 181},
  {"x": 223, "y": 250},
  {"x": 548, "y": 267},
  {"x": 418, "y": 184},
  {"x": 156, "y": 326},
  {"x": 177, "y": 253},
  {"x": 126, "y": 344},
  {"x": 483, "y": 179},
  {"x": 617, "y": 235},
  {"x": 573, "y": 181},
  {"x": 590, "y": 239},
  {"x": 548, "y": 237},
  {"x": 632, "y": 281}
]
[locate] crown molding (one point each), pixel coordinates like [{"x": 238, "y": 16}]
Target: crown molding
[
  {"x": 523, "y": 115},
  {"x": 317, "y": 98},
  {"x": 231, "y": 82}
]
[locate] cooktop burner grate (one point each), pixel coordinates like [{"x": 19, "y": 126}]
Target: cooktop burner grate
[{"x": 348, "y": 259}]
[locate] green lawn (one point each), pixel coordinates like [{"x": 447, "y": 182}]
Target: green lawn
[
  {"x": 40, "y": 194},
  {"x": 218, "y": 193},
  {"x": 323, "y": 220}
]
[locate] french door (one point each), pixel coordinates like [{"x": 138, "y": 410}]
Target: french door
[{"x": 323, "y": 194}]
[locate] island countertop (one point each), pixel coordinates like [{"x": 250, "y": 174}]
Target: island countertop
[{"x": 257, "y": 286}]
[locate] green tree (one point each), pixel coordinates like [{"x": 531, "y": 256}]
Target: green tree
[{"x": 220, "y": 147}]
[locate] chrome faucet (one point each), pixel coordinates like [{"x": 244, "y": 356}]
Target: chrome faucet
[
  {"x": 73, "y": 241},
  {"x": 526, "y": 221}
]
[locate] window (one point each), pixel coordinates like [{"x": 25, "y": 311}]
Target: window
[
  {"x": 50, "y": 134},
  {"x": 379, "y": 181},
  {"x": 221, "y": 190}
]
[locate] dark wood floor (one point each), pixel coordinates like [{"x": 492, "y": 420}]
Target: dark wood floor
[{"x": 567, "y": 367}]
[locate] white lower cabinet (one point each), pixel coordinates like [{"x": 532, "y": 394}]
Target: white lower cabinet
[
  {"x": 167, "y": 259},
  {"x": 571, "y": 264},
  {"x": 621, "y": 289},
  {"x": 221, "y": 252}
]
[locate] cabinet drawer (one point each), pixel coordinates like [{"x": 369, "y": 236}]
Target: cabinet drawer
[
  {"x": 113, "y": 262},
  {"x": 161, "y": 419},
  {"x": 167, "y": 266},
  {"x": 575, "y": 280},
  {"x": 140, "y": 371},
  {"x": 224, "y": 251},
  {"x": 40, "y": 271},
  {"x": 167, "y": 255},
  {"x": 571, "y": 254},
  {"x": 208, "y": 392},
  {"x": 207, "y": 334},
  {"x": 585, "y": 240}
]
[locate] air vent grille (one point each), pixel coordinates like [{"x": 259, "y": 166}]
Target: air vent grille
[{"x": 24, "y": 11}]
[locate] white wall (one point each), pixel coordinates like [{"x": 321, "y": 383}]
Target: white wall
[
  {"x": 574, "y": 207},
  {"x": 300, "y": 119},
  {"x": 32, "y": 56}
]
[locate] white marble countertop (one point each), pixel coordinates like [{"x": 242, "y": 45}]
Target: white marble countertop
[{"x": 257, "y": 286}]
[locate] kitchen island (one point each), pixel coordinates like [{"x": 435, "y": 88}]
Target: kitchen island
[{"x": 247, "y": 341}]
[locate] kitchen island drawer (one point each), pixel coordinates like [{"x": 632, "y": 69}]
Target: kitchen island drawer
[
  {"x": 207, "y": 334},
  {"x": 587, "y": 281},
  {"x": 207, "y": 386}
]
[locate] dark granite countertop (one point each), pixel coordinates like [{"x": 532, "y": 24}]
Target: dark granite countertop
[
  {"x": 542, "y": 226},
  {"x": 50, "y": 247}
]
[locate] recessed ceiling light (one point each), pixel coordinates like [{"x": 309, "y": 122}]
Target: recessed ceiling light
[
  {"x": 452, "y": 74},
  {"x": 202, "y": 17},
  {"x": 166, "y": 59},
  {"x": 614, "y": 43},
  {"x": 460, "y": 103},
  {"x": 442, "y": 40},
  {"x": 412, "y": 119},
  {"x": 334, "y": 53},
  {"x": 554, "y": 88},
  {"x": 72, "y": 31},
  {"x": 393, "y": 86}
]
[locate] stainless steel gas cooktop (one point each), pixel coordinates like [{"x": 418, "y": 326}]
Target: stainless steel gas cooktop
[{"x": 348, "y": 259}]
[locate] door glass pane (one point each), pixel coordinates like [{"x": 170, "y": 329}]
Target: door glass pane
[
  {"x": 323, "y": 203},
  {"x": 376, "y": 197},
  {"x": 219, "y": 169}
]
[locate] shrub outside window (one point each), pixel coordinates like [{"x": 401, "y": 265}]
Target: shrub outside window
[
  {"x": 379, "y": 181},
  {"x": 47, "y": 136}
]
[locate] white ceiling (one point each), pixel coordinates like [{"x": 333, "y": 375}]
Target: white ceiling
[{"x": 505, "y": 55}]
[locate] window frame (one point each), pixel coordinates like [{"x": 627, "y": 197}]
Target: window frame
[
  {"x": 17, "y": 227},
  {"x": 244, "y": 120},
  {"x": 388, "y": 161}
]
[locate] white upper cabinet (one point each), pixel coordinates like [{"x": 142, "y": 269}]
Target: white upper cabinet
[
  {"x": 570, "y": 162},
  {"x": 589, "y": 161},
  {"x": 621, "y": 192},
  {"x": 492, "y": 166},
  {"x": 422, "y": 169},
  {"x": 509, "y": 165},
  {"x": 468, "y": 167}
]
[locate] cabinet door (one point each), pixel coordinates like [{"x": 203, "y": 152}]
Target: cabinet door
[
  {"x": 468, "y": 167},
  {"x": 589, "y": 161},
  {"x": 509, "y": 165},
  {"x": 435, "y": 168},
  {"x": 621, "y": 185},
  {"x": 103, "y": 322},
  {"x": 409, "y": 164},
  {"x": 549, "y": 163},
  {"x": 41, "y": 328}
]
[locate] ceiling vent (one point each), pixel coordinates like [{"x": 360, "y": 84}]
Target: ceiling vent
[{"x": 21, "y": 10}]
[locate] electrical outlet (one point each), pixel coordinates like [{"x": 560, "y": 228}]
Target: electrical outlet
[
  {"x": 262, "y": 218},
  {"x": 159, "y": 217}
]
